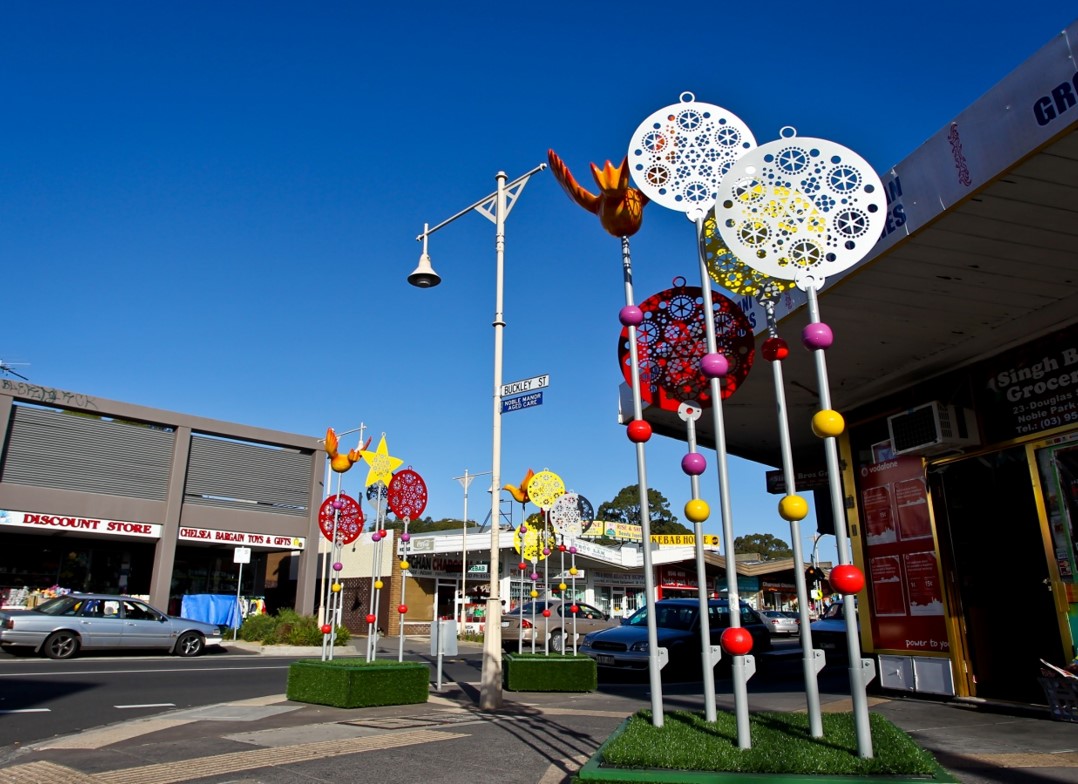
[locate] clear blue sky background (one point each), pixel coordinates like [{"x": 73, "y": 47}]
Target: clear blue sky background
[{"x": 211, "y": 207}]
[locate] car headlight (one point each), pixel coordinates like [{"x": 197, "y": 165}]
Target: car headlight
[{"x": 639, "y": 647}]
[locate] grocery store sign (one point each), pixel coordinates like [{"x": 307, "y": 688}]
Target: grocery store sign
[
  {"x": 209, "y": 535},
  {"x": 75, "y": 524}
]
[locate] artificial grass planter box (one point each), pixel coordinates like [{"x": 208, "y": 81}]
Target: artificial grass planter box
[
  {"x": 351, "y": 683},
  {"x": 689, "y": 750},
  {"x": 556, "y": 672}
]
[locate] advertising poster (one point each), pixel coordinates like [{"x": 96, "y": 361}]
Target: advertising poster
[{"x": 903, "y": 570}]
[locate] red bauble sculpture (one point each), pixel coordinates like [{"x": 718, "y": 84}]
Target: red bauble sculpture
[
  {"x": 326, "y": 628},
  {"x": 639, "y": 431},
  {"x": 546, "y": 613},
  {"x": 402, "y": 608},
  {"x": 736, "y": 641},
  {"x": 847, "y": 579},
  {"x": 370, "y": 618}
]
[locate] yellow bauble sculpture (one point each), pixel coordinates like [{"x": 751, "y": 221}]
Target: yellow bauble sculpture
[
  {"x": 828, "y": 423},
  {"x": 573, "y": 570},
  {"x": 404, "y": 566},
  {"x": 378, "y": 584},
  {"x": 793, "y": 507},
  {"x": 562, "y": 586},
  {"x": 534, "y": 594},
  {"x": 336, "y": 587},
  {"x": 697, "y": 510}
]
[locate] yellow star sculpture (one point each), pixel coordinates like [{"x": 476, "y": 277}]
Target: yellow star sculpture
[{"x": 382, "y": 465}]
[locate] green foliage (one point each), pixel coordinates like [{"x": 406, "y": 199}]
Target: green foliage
[
  {"x": 625, "y": 508},
  {"x": 425, "y": 525},
  {"x": 554, "y": 672},
  {"x": 354, "y": 683},
  {"x": 781, "y": 744},
  {"x": 769, "y": 547},
  {"x": 287, "y": 628}
]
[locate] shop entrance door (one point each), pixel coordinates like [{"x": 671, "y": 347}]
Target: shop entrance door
[{"x": 993, "y": 551}]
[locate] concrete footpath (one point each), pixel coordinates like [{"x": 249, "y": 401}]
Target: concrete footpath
[{"x": 533, "y": 739}]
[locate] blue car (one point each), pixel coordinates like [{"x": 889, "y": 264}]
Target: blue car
[{"x": 625, "y": 647}]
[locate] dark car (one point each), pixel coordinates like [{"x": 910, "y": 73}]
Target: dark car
[
  {"x": 678, "y": 629},
  {"x": 63, "y": 626},
  {"x": 829, "y": 633}
]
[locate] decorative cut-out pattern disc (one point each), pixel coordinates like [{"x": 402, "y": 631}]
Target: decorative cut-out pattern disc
[
  {"x": 407, "y": 494},
  {"x": 570, "y": 513},
  {"x": 733, "y": 274},
  {"x": 377, "y": 492},
  {"x": 349, "y": 518},
  {"x": 801, "y": 209},
  {"x": 545, "y": 488},
  {"x": 679, "y": 154},
  {"x": 532, "y": 542},
  {"x": 672, "y": 339}
]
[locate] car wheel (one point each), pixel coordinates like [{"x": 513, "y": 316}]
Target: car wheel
[
  {"x": 61, "y": 645},
  {"x": 557, "y": 641},
  {"x": 190, "y": 644}
]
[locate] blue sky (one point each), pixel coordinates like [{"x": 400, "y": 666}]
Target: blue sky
[{"x": 212, "y": 207}]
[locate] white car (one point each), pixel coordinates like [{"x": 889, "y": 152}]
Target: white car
[{"x": 63, "y": 626}]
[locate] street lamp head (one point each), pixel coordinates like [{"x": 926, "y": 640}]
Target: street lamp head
[{"x": 424, "y": 276}]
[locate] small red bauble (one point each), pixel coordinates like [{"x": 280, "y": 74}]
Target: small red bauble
[
  {"x": 402, "y": 608},
  {"x": 326, "y": 628},
  {"x": 370, "y": 618},
  {"x": 546, "y": 613},
  {"x": 561, "y": 548},
  {"x": 847, "y": 579},
  {"x": 639, "y": 431},
  {"x": 736, "y": 641},
  {"x": 522, "y": 566},
  {"x": 574, "y": 609},
  {"x": 774, "y": 349}
]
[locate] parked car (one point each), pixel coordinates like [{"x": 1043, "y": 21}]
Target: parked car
[
  {"x": 779, "y": 622},
  {"x": 61, "y": 627},
  {"x": 678, "y": 628},
  {"x": 829, "y": 633},
  {"x": 559, "y": 626}
]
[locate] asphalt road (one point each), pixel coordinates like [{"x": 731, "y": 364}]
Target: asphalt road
[{"x": 41, "y": 698}]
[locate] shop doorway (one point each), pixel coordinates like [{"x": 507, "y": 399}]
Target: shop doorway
[{"x": 993, "y": 550}]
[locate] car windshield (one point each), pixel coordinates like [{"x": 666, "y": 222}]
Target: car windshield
[{"x": 668, "y": 616}]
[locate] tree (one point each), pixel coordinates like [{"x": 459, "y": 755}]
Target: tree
[
  {"x": 769, "y": 547},
  {"x": 625, "y": 508}
]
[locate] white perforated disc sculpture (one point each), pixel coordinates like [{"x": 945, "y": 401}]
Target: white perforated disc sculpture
[
  {"x": 801, "y": 209},
  {"x": 679, "y": 154}
]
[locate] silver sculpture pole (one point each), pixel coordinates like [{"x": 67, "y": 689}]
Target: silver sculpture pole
[
  {"x": 743, "y": 667},
  {"x": 656, "y": 657}
]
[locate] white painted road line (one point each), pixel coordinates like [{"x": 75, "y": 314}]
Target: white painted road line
[
  {"x": 147, "y": 705},
  {"x": 28, "y": 710}
]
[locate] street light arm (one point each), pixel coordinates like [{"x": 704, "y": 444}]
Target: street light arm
[{"x": 479, "y": 203}]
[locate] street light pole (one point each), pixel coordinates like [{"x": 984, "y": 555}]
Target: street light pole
[
  {"x": 494, "y": 207},
  {"x": 465, "y": 480}
]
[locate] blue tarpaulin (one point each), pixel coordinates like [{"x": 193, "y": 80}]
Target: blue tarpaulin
[{"x": 221, "y": 609}]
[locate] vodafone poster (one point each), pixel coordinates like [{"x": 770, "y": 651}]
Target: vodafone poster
[{"x": 900, "y": 555}]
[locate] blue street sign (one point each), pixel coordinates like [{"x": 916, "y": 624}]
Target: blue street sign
[{"x": 524, "y": 401}]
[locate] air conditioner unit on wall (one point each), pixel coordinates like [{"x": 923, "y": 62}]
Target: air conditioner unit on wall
[{"x": 931, "y": 429}]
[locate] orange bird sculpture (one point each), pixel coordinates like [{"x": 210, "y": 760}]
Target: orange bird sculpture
[
  {"x": 520, "y": 492},
  {"x": 620, "y": 206},
  {"x": 338, "y": 462}
]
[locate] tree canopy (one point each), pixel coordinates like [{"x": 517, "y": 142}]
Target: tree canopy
[
  {"x": 625, "y": 508},
  {"x": 769, "y": 547}
]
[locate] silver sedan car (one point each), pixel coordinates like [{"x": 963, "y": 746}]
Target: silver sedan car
[
  {"x": 63, "y": 626},
  {"x": 780, "y": 622}
]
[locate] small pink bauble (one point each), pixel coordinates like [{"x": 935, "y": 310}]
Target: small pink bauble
[
  {"x": 573, "y": 550},
  {"x": 337, "y": 566},
  {"x": 523, "y": 529},
  {"x": 817, "y": 335},
  {"x": 714, "y": 365},
  {"x": 337, "y": 503},
  {"x": 694, "y": 464},
  {"x": 535, "y": 575},
  {"x": 546, "y": 551},
  {"x": 631, "y": 316},
  {"x": 406, "y": 537}
]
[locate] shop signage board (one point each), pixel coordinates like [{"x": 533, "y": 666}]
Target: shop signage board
[
  {"x": 242, "y": 555},
  {"x": 38, "y": 521},
  {"x": 683, "y": 540},
  {"x": 241, "y": 538}
]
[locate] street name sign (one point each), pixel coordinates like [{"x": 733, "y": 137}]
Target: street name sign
[
  {"x": 526, "y": 385},
  {"x": 524, "y": 401}
]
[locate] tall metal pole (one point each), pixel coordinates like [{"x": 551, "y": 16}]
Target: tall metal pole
[{"x": 465, "y": 481}]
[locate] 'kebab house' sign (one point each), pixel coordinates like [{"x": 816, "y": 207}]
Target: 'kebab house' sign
[
  {"x": 78, "y": 525},
  {"x": 241, "y": 538}
]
